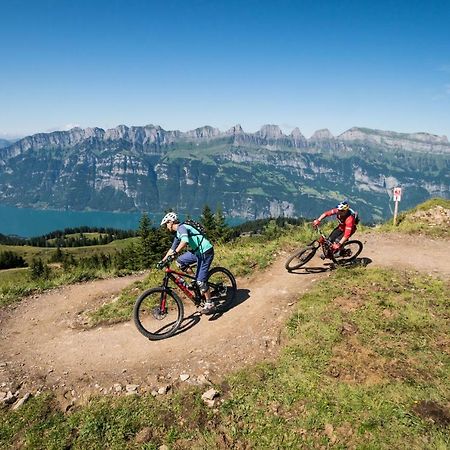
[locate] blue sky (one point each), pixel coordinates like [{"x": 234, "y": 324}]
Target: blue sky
[{"x": 184, "y": 64}]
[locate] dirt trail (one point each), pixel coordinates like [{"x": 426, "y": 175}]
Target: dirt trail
[{"x": 40, "y": 347}]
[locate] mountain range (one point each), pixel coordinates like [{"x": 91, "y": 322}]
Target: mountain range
[
  {"x": 4, "y": 143},
  {"x": 249, "y": 175}
]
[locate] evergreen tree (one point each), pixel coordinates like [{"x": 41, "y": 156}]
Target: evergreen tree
[
  {"x": 223, "y": 232},
  {"x": 58, "y": 255},
  {"x": 39, "y": 270},
  {"x": 209, "y": 222},
  {"x": 146, "y": 243},
  {"x": 10, "y": 259}
]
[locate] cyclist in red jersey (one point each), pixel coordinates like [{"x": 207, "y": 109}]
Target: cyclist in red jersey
[{"x": 347, "y": 219}]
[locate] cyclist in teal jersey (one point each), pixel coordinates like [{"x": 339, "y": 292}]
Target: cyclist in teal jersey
[{"x": 201, "y": 253}]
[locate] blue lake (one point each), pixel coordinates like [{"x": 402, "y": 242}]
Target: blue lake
[{"x": 28, "y": 222}]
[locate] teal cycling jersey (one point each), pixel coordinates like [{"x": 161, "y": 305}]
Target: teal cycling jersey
[{"x": 197, "y": 242}]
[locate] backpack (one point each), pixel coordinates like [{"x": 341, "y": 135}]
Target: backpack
[
  {"x": 355, "y": 215},
  {"x": 201, "y": 230}
]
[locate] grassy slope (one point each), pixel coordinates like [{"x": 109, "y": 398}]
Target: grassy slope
[
  {"x": 364, "y": 364},
  {"x": 407, "y": 223},
  {"x": 16, "y": 283},
  {"x": 366, "y": 371},
  {"x": 28, "y": 252}
]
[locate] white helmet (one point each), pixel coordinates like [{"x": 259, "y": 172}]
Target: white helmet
[
  {"x": 169, "y": 217},
  {"x": 343, "y": 206}
]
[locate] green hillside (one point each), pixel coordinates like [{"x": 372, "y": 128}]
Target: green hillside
[
  {"x": 29, "y": 252},
  {"x": 431, "y": 218},
  {"x": 250, "y": 175},
  {"x": 363, "y": 364},
  {"x": 346, "y": 377}
]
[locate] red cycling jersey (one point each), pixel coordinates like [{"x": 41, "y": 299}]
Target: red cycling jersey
[{"x": 347, "y": 225}]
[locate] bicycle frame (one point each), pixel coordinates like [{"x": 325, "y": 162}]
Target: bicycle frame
[
  {"x": 193, "y": 294},
  {"x": 323, "y": 242}
]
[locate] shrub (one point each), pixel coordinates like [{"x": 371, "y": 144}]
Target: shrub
[
  {"x": 9, "y": 260},
  {"x": 39, "y": 270}
]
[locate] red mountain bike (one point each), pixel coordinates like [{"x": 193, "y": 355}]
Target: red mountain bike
[
  {"x": 348, "y": 252},
  {"x": 159, "y": 312}
]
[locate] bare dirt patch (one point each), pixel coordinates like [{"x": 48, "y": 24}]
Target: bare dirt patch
[
  {"x": 433, "y": 216},
  {"x": 43, "y": 344},
  {"x": 433, "y": 412},
  {"x": 354, "y": 363}
]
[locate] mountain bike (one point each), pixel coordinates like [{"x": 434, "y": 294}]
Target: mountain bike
[
  {"x": 159, "y": 312},
  {"x": 347, "y": 253}
]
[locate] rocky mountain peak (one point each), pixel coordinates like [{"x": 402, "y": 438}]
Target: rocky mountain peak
[
  {"x": 296, "y": 133},
  {"x": 270, "y": 132},
  {"x": 237, "y": 129},
  {"x": 392, "y": 140},
  {"x": 119, "y": 132},
  {"x": 205, "y": 132},
  {"x": 321, "y": 135}
]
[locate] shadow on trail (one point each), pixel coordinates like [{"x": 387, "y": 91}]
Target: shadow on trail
[
  {"x": 190, "y": 321},
  {"x": 357, "y": 262},
  {"x": 241, "y": 296}
]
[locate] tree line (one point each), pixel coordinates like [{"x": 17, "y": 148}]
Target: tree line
[
  {"x": 141, "y": 253},
  {"x": 70, "y": 237}
]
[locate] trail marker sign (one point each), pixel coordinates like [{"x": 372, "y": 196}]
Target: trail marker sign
[{"x": 397, "y": 194}]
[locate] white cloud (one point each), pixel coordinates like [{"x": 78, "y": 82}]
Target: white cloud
[
  {"x": 69, "y": 126},
  {"x": 66, "y": 127}
]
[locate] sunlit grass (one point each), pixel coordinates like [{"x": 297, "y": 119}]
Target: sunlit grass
[
  {"x": 407, "y": 223},
  {"x": 360, "y": 364}
]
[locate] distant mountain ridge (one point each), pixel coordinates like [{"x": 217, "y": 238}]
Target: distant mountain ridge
[
  {"x": 151, "y": 135},
  {"x": 251, "y": 175},
  {"x": 4, "y": 143}
]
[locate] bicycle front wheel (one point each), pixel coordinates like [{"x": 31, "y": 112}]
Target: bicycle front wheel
[
  {"x": 223, "y": 287},
  {"x": 300, "y": 258},
  {"x": 349, "y": 251},
  {"x": 158, "y": 313}
]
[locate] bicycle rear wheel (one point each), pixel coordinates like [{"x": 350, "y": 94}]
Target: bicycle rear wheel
[
  {"x": 300, "y": 258},
  {"x": 222, "y": 285},
  {"x": 349, "y": 251},
  {"x": 158, "y": 313}
]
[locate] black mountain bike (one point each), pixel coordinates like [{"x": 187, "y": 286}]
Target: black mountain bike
[
  {"x": 348, "y": 252},
  {"x": 159, "y": 312}
]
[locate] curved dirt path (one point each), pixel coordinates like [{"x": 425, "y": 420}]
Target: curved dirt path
[{"x": 41, "y": 348}]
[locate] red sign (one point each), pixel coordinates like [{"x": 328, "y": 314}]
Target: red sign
[{"x": 397, "y": 194}]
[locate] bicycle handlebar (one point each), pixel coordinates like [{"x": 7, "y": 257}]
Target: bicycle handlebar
[{"x": 166, "y": 263}]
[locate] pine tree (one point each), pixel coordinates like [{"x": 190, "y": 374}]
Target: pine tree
[
  {"x": 209, "y": 222},
  {"x": 223, "y": 231},
  {"x": 39, "y": 270},
  {"x": 58, "y": 255},
  {"x": 146, "y": 244}
]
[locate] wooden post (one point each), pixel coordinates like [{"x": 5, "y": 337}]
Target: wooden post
[
  {"x": 395, "y": 212},
  {"x": 396, "y": 197}
]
